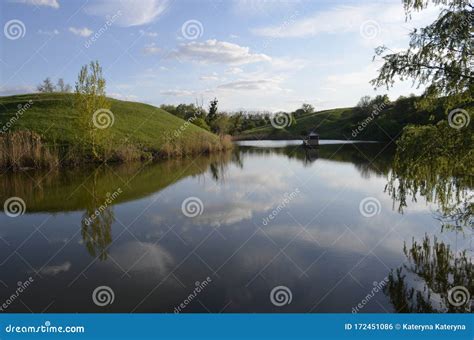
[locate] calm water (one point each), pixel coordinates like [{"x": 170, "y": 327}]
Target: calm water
[{"x": 272, "y": 214}]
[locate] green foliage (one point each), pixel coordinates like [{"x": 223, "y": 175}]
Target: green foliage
[
  {"x": 439, "y": 55},
  {"x": 89, "y": 99},
  {"x": 436, "y": 162}
]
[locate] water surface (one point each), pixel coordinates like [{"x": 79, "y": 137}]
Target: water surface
[{"x": 273, "y": 214}]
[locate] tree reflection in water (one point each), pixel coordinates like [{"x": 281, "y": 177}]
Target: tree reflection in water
[
  {"x": 439, "y": 169},
  {"x": 96, "y": 222},
  {"x": 421, "y": 285}
]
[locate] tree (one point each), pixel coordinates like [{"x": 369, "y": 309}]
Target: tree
[
  {"x": 46, "y": 86},
  {"x": 364, "y": 103},
  {"x": 212, "y": 115},
  {"x": 93, "y": 108},
  {"x": 63, "y": 87},
  {"x": 438, "y": 56},
  {"x": 307, "y": 108},
  {"x": 212, "y": 109}
]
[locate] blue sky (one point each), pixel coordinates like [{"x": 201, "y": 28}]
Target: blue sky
[{"x": 250, "y": 54}]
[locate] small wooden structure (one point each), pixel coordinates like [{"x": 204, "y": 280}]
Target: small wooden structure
[{"x": 311, "y": 140}]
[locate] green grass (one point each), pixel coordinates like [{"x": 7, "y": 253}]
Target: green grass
[
  {"x": 53, "y": 117},
  {"x": 341, "y": 122},
  {"x": 328, "y": 123}
]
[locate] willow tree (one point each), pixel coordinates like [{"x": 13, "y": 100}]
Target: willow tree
[
  {"x": 439, "y": 56},
  {"x": 90, "y": 99},
  {"x": 436, "y": 161}
]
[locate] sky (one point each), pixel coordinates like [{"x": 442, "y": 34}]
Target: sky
[{"x": 249, "y": 54}]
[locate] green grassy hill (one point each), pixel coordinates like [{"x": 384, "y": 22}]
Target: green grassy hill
[
  {"x": 341, "y": 123},
  {"x": 138, "y": 126},
  {"x": 54, "y": 118}
]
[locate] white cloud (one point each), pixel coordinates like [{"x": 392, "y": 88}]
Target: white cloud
[
  {"x": 255, "y": 84},
  {"x": 234, "y": 70},
  {"x": 387, "y": 23},
  {"x": 151, "y": 49},
  {"x": 46, "y": 3},
  {"x": 143, "y": 257},
  {"x": 14, "y": 90},
  {"x": 177, "y": 93},
  {"x": 82, "y": 32},
  {"x": 214, "y": 76},
  {"x": 214, "y": 51},
  {"x": 120, "y": 96},
  {"x": 133, "y": 13},
  {"x": 55, "y": 270},
  {"x": 48, "y": 33}
]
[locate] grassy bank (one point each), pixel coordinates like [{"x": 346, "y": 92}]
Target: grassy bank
[
  {"x": 37, "y": 124},
  {"x": 382, "y": 124}
]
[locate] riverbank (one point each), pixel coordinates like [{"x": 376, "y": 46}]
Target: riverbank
[{"x": 44, "y": 130}]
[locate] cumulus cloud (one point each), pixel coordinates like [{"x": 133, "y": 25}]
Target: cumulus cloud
[
  {"x": 133, "y": 13},
  {"x": 82, "y": 32},
  {"x": 214, "y": 51},
  {"x": 45, "y": 3}
]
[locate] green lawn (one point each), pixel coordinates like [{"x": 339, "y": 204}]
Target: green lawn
[{"x": 55, "y": 119}]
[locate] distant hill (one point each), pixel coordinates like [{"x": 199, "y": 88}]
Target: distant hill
[{"x": 353, "y": 122}]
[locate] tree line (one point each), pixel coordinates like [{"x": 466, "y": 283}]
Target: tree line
[
  {"x": 222, "y": 122},
  {"x": 47, "y": 86}
]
